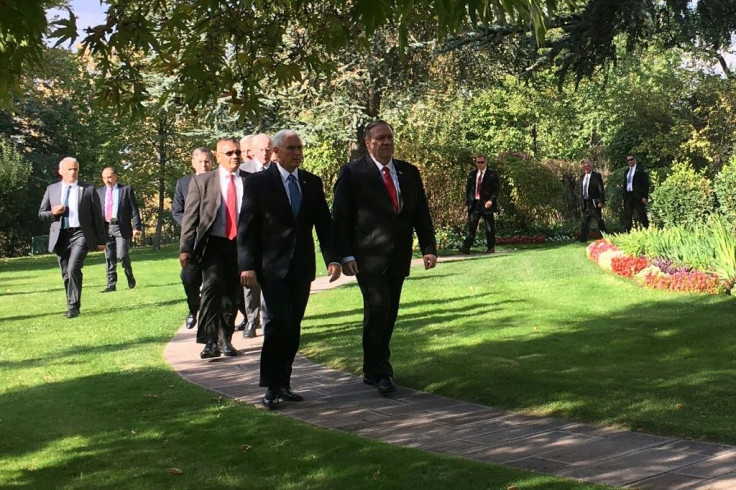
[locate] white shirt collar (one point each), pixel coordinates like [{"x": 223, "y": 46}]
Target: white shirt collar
[
  {"x": 285, "y": 173},
  {"x": 389, "y": 165}
]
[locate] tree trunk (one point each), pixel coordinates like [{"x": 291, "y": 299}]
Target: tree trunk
[{"x": 162, "y": 135}]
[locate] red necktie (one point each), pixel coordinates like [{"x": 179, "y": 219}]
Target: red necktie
[
  {"x": 231, "y": 221},
  {"x": 390, "y": 187},
  {"x": 478, "y": 184}
]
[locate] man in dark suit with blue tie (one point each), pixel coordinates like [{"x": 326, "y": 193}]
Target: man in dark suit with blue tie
[
  {"x": 191, "y": 277},
  {"x": 379, "y": 202},
  {"x": 123, "y": 223},
  {"x": 281, "y": 207},
  {"x": 73, "y": 208},
  {"x": 636, "y": 194},
  {"x": 208, "y": 233}
]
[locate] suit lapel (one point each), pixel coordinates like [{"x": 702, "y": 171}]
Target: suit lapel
[{"x": 377, "y": 178}]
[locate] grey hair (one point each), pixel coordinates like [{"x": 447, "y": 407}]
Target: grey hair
[
  {"x": 245, "y": 140},
  {"x": 67, "y": 159},
  {"x": 278, "y": 140},
  {"x": 202, "y": 149}
]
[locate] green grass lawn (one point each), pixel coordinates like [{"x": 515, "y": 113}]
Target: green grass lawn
[
  {"x": 545, "y": 331},
  {"x": 90, "y": 402}
]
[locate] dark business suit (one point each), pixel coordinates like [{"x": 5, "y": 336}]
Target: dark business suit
[
  {"x": 279, "y": 247},
  {"x": 217, "y": 257},
  {"x": 191, "y": 277},
  {"x": 368, "y": 228},
  {"x": 589, "y": 204},
  {"x": 72, "y": 244},
  {"x": 632, "y": 200},
  {"x": 119, "y": 232},
  {"x": 476, "y": 207}
]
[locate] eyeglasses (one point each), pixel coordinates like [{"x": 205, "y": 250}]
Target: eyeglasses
[{"x": 230, "y": 153}]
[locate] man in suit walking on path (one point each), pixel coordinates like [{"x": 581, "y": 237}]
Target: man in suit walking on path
[
  {"x": 122, "y": 222},
  {"x": 208, "y": 232},
  {"x": 73, "y": 208},
  {"x": 636, "y": 194},
  {"x": 260, "y": 147},
  {"x": 379, "y": 202},
  {"x": 281, "y": 207},
  {"x": 191, "y": 277},
  {"x": 481, "y": 195},
  {"x": 592, "y": 199}
]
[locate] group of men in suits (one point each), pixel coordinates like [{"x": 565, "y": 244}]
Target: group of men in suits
[
  {"x": 592, "y": 197},
  {"x": 84, "y": 220},
  {"x": 251, "y": 226}
]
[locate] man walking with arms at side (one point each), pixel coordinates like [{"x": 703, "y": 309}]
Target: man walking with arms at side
[
  {"x": 73, "y": 208},
  {"x": 481, "y": 194},
  {"x": 281, "y": 207},
  {"x": 191, "y": 277},
  {"x": 636, "y": 194},
  {"x": 122, "y": 222},
  {"x": 260, "y": 148},
  {"x": 208, "y": 232},
  {"x": 592, "y": 198},
  {"x": 378, "y": 204}
]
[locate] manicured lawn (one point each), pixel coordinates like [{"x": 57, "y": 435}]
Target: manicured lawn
[
  {"x": 545, "y": 331},
  {"x": 90, "y": 402}
]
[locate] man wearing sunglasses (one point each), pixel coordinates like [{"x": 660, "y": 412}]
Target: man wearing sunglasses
[
  {"x": 481, "y": 196},
  {"x": 636, "y": 194},
  {"x": 208, "y": 233}
]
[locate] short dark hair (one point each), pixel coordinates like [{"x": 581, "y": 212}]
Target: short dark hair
[{"x": 373, "y": 124}]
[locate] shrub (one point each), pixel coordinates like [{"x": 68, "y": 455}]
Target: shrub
[
  {"x": 684, "y": 198},
  {"x": 724, "y": 185},
  {"x": 724, "y": 244},
  {"x": 529, "y": 191}
]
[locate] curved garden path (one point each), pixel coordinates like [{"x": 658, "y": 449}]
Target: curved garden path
[{"x": 434, "y": 423}]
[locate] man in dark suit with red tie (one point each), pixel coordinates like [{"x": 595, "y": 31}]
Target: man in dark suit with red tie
[
  {"x": 636, "y": 194},
  {"x": 73, "y": 208},
  {"x": 379, "y": 202},
  {"x": 122, "y": 222},
  {"x": 481, "y": 195},
  {"x": 592, "y": 199},
  {"x": 208, "y": 232},
  {"x": 281, "y": 207}
]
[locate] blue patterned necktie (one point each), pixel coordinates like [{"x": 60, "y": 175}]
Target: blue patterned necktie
[
  {"x": 65, "y": 202},
  {"x": 295, "y": 195}
]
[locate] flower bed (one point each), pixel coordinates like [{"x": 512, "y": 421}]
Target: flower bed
[{"x": 657, "y": 274}]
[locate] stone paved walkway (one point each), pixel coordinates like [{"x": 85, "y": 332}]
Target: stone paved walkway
[{"x": 434, "y": 423}]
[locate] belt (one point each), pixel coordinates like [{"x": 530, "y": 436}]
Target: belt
[
  {"x": 113, "y": 221},
  {"x": 72, "y": 229}
]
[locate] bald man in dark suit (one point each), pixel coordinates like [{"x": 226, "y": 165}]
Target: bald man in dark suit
[{"x": 73, "y": 208}]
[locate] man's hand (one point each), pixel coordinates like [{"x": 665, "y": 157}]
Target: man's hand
[
  {"x": 184, "y": 260},
  {"x": 333, "y": 270},
  {"x": 248, "y": 279},
  {"x": 644, "y": 200},
  {"x": 429, "y": 261},
  {"x": 488, "y": 204},
  {"x": 350, "y": 268},
  {"x": 100, "y": 248},
  {"x": 600, "y": 204},
  {"x": 58, "y": 210},
  {"x": 136, "y": 233}
]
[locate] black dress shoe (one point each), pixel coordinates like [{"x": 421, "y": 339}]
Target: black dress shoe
[
  {"x": 191, "y": 321},
  {"x": 491, "y": 250},
  {"x": 210, "y": 351},
  {"x": 386, "y": 385},
  {"x": 287, "y": 395},
  {"x": 271, "y": 398},
  {"x": 108, "y": 289},
  {"x": 228, "y": 349},
  {"x": 241, "y": 325},
  {"x": 370, "y": 381},
  {"x": 131, "y": 283},
  {"x": 464, "y": 250},
  {"x": 250, "y": 332},
  {"x": 72, "y": 313}
]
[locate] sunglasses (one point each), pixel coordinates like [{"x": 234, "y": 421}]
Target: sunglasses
[
  {"x": 629, "y": 159},
  {"x": 230, "y": 153}
]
